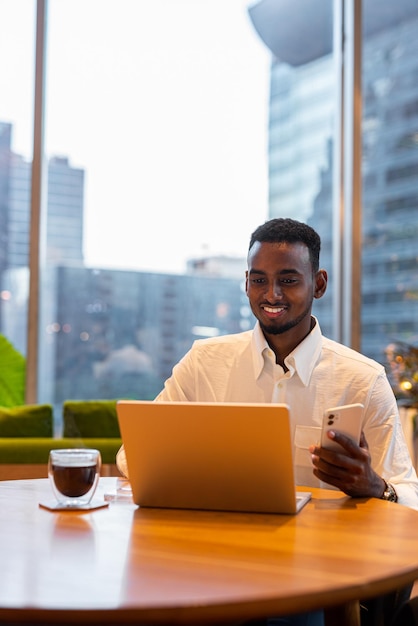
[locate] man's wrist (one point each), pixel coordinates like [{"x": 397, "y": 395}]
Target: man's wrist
[{"x": 389, "y": 493}]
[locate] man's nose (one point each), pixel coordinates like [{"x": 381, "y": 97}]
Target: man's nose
[{"x": 274, "y": 291}]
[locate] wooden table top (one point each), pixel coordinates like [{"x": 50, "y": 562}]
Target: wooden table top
[{"x": 123, "y": 564}]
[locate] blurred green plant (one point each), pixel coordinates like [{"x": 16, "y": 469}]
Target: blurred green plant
[{"x": 12, "y": 374}]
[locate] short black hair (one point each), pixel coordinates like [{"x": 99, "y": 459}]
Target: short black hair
[{"x": 284, "y": 229}]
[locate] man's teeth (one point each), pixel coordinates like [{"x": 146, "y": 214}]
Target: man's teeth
[{"x": 275, "y": 309}]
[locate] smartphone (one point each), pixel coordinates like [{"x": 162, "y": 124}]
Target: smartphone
[{"x": 346, "y": 419}]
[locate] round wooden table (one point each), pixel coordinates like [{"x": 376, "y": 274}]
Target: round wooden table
[{"x": 123, "y": 564}]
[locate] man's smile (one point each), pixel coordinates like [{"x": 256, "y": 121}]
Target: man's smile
[{"x": 273, "y": 311}]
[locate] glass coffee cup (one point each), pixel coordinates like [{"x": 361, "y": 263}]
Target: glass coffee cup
[{"x": 74, "y": 474}]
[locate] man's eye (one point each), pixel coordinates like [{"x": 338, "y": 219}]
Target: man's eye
[
  {"x": 257, "y": 281},
  {"x": 288, "y": 281}
]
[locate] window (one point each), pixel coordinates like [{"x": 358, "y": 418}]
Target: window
[{"x": 172, "y": 129}]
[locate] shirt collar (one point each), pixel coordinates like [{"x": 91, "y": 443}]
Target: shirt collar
[{"x": 301, "y": 360}]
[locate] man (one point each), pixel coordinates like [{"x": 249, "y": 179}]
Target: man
[{"x": 285, "y": 358}]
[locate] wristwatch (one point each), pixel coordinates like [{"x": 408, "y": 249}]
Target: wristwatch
[{"x": 389, "y": 493}]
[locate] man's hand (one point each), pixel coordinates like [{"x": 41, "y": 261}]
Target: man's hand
[{"x": 349, "y": 470}]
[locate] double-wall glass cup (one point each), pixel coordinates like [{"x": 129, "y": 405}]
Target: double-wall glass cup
[{"x": 74, "y": 474}]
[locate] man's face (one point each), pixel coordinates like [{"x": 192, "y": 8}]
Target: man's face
[{"x": 280, "y": 285}]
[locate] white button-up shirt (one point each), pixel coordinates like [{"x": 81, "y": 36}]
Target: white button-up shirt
[{"x": 321, "y": 374}]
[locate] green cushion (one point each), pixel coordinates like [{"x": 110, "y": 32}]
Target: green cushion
[
  {"x": 36, "y": 450},
  {"x": 90, "y": 418},
  {"x": 29, "y": 420}
]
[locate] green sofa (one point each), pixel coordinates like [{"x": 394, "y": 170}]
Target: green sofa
[{"x": 26, "y": 436}]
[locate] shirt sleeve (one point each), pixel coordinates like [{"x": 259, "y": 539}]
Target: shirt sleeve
[
  {"x": 121, "y": 462},
  {"x": 180, "y": 386},
  {"x": 198, "y": 377}
]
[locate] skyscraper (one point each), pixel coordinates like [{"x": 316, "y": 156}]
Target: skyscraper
[{"x": 63, "y": 219}]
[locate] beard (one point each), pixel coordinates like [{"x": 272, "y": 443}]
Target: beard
[{"x": 272, "y": 329}]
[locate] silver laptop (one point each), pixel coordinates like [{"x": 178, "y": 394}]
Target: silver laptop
[{"x": 211, "y": 456}]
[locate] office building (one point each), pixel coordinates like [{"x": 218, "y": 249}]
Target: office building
[{"x": 62, "y": 220}]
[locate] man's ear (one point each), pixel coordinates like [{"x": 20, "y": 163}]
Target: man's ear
[
  {"x": 321, "y": 280},
  {"x": 246, "y": 282}
]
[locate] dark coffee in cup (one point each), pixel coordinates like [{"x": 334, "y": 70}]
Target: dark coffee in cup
[{"x": 74, "y": 481}]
